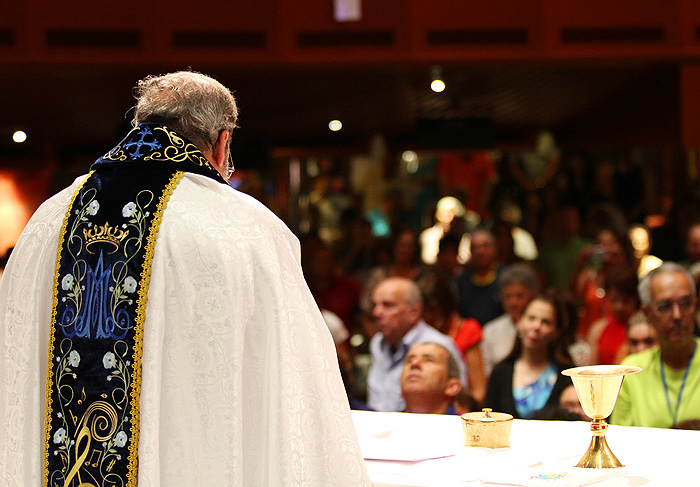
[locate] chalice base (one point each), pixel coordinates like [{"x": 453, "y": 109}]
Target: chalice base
[{"x": 599, "y": 455}]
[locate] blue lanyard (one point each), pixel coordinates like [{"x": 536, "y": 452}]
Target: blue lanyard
[{"x": 674, "y": 415}]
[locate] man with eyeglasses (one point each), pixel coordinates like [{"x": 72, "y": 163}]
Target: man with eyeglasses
[{"x": 667, "y": 391}]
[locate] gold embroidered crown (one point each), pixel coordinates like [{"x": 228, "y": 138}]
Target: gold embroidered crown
[{"x": 104, "y": 234}]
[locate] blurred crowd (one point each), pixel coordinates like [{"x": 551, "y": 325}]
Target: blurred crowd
[{"x": 481, "y": 239}]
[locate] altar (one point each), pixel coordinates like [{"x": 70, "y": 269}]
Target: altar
[{"x": 423, "y": 450}]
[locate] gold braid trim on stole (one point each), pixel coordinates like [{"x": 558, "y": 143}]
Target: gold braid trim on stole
[
  {"x": 138, "y": 328},
  {"x": 52, "y": 330}
]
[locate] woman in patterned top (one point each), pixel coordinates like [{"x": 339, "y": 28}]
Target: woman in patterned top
[{"x": 529, "y": 378}]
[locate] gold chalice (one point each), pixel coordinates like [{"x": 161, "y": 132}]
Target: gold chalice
[{"x": 597, "y": 387}]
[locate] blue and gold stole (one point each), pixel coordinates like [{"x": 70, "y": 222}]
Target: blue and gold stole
[{"x": 101, "y": 281}]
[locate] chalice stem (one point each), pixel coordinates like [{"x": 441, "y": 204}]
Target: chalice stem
[{"x": 599, "y": 454}]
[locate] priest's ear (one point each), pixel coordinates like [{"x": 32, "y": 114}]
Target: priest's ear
[{"x": 219, "y": 157}]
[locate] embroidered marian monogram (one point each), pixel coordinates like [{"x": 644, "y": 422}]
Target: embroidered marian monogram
[
  {"x": 100, "y": 287},
  {"x": 158, "y": 144}
]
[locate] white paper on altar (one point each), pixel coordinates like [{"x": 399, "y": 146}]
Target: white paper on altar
[
  {"x": 385, "y": 437},
  {"x": 399, "y": 447}
]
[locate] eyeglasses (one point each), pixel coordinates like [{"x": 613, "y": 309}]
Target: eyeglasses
[
  {"x": 229, "y": 167},
  {"x": 647, "y": 342},
  {"x": 665, "y": 307}
]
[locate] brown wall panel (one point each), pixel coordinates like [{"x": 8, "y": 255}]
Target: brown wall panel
[
  {"x": 269, "y": 32},
  {"x": 616, "y": 13}
]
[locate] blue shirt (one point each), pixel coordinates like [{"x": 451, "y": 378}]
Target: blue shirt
[{"x": 533, "y": 397}]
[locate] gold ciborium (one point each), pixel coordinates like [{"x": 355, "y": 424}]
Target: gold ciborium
[{"x": 597, "y": 387}]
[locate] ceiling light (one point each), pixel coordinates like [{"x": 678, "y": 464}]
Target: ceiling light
[
  {"x": 335, "y": 125},
  {"x": 436, "y": 83},
  {"x": 347, "y": 10},
  {"x": 19, "y": 136},
  {"x": 409, "y": 156}
]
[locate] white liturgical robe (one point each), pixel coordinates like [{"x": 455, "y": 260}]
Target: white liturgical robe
[{"x": 240, "y": 382}]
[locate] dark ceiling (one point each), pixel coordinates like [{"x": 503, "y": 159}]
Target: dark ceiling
[{"x": 585, "y": 105}]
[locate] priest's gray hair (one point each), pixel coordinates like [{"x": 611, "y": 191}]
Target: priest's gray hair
[
  {"x": 644, "y": 286},
  {"x": 192, "y": 104}
]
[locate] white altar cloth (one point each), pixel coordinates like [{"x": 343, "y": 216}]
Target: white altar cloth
[{"x": 422, "y": 450}]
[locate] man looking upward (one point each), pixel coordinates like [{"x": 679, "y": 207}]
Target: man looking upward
[
  {"x": 430, "y": 379},
  {"x": 667, "y": 391}
]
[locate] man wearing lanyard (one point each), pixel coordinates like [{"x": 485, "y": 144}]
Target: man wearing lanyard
[{"x": 667, "y": 391}]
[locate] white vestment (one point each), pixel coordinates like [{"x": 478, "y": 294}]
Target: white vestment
[{"x": 240, "y": 382}]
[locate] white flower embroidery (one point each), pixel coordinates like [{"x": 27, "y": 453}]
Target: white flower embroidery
[
  {"x": 66, "y": 282},
  {"x": 120, "y": 439},
  {"x": 129, "y": 284},
  {"x": 94, "y": 206},
  {"x": 108, "y": 360},
  {"x": 74, "y": 358},
  {"x": 128, "y": 209},
  {"x": 59, "y": 436}
]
